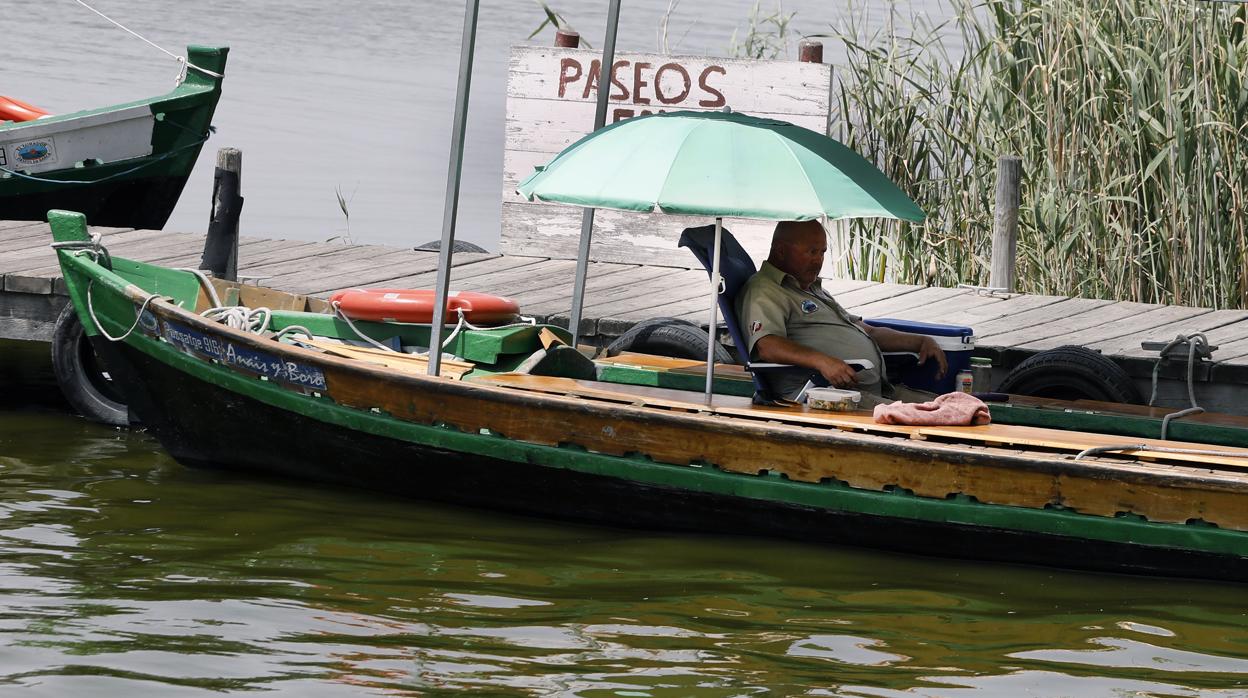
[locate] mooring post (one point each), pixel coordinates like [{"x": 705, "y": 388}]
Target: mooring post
[
  {"x": 566, "y": 38},
  {"x": 221, "y": 245},
  {"x": 1005, "y": 223},
  {"x": 810, "y": 51}
]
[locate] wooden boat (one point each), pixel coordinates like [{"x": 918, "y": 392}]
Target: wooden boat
[
  {"x": 485, "y": 434},
  {"x": 122, "y": 165}
]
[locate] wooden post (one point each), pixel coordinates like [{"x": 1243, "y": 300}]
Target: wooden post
[
  {"x": 810, "y": 51},
  {"x": 566, "y": 38},
  {"x": 221, "y": 244},
  {"x": 1005, "y": 223}
]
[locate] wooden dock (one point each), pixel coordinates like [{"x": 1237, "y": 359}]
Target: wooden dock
[{"x": 1008, "y": 327}]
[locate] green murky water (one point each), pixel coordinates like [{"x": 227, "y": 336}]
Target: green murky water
[{"x": 123, "y": 573}]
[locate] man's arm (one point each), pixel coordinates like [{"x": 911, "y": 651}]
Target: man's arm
[
  {"x": 889, "y": 339},
  {"x": 780, "y": 350}
]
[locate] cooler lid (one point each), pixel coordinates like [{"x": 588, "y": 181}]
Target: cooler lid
[{"x": 921, "y": 327}]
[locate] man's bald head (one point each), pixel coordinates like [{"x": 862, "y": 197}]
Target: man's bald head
[{"x": 797, "y": 249}]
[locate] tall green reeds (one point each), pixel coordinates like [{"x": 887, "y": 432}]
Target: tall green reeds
[{"x": 1129, "y": 116}]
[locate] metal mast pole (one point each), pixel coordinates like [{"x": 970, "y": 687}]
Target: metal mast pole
[
  {"x": 452, "y": 186},
  {"x": 587, "y": 219}
]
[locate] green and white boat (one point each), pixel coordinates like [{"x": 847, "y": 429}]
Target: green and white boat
[
  {"x": 290, "y": 391},
  {"x": 123, "y": 165}
]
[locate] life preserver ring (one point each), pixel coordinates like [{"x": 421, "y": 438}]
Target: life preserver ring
[
  {"x": 416, "y": 305},
  {"x": 16, "y": 110}
]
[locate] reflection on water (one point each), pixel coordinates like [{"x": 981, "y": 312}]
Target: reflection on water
[{"x": 122, "y": 572}]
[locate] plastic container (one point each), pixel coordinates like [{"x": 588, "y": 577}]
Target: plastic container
[
  {"x": 958, "y": 343},
  {"x": 833, "y": 399},
  {"x": 981, "y": 368},
  {"x": 966, "y": 381}
]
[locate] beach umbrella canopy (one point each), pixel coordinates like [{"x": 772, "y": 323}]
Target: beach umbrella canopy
[{"x": 718, "y": 164}]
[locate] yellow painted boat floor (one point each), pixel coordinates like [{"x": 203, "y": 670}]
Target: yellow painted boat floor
[{"x": 1217, "y": 457}]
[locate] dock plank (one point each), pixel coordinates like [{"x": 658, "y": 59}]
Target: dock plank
[
  {"x": 1207, "y": 323},
  {"x": 1136, "y": 323},
  {"x": 919, "y": 299},
  {"x": 464, "y": 271},
  {"x": 1036, "y": 317}
]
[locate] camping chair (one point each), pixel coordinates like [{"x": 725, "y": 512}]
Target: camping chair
[{"x": 736, "y": 268}]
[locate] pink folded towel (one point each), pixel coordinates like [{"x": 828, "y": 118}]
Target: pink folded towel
[{"x": 950, "y": 409}]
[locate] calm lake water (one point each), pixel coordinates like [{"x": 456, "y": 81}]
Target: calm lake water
[
  {"x": 124, "y": 573},
  {"x": 324, "y": 95}
]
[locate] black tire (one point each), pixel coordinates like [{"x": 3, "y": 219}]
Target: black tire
[
  {"x": 667, "y": 336},
  {"x": 1072, "y": 373},
  {"x": 81, "y": 375}
]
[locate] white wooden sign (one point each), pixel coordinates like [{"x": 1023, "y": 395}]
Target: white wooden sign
[{"x": 551, "y": 97}]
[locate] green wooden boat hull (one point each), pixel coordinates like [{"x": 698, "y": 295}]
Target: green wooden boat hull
[
  {"x": 216, "y": 397},
  {"x": 123, "y": 165}
]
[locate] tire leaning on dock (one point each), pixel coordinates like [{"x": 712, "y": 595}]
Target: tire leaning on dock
[
  {"x": 81, "y": 376},
  {"x": 667, "y": 336},
  {"x": 1071, "y": 372}
]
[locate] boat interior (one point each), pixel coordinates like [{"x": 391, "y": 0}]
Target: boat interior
[{"x": 504, "y": 356}]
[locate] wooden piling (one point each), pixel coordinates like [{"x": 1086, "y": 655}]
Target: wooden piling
[
  {"x": 566, "y": 38},
  {"x": 221, "y": 244},
  {"x": 1005, "y": 223},
  {"x": 810, "y": 51}
]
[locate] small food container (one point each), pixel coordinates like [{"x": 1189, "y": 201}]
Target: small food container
[{"x": 833, "y": 399}]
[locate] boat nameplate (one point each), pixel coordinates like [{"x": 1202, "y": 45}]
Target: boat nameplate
[{"x": 271, "y": 366}]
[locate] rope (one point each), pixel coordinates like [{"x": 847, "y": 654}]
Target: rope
[
  {"x": 206, "y": 284},
  {"x": 1160, "y": 449},
  {"x": 338, "y": 312},
  {"x": 147, "y": 163},
  {"x": 137, "y": 316},
  {"x": 93, "y": 249},
  {"x": 240, "y": 317},
  {"x": 1194, "y": 341},
  {"x": 180, "y": 59}
]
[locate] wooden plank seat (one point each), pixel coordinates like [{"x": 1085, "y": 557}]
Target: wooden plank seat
[{"x": 1214, "y": 457}]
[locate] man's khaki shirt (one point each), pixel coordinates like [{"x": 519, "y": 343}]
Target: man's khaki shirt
[{"x": 773, "y": 303}]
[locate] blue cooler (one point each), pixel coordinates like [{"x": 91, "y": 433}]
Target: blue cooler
[{"x": 957, "y": 342}]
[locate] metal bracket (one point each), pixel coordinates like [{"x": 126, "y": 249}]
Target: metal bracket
[{"x": 1178, "y": 350}]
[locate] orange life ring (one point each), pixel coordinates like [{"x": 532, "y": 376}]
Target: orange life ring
[
  {"x": 15, "y": 110},
  {"x": 416, "y": 305}
]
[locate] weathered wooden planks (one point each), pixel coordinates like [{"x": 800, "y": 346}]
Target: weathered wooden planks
[{"x": 620, "y": 294}]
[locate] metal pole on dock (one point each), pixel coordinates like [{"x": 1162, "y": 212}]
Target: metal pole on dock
[
  {"x": 221, "y": 243},
  {"x": 1005, "y": 223},
  {"x": 451, "y": 209},
  {"x": 606, "y": 70}
]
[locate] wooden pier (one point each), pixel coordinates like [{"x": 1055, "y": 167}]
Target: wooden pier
[{"x": 1009, "y": 327}]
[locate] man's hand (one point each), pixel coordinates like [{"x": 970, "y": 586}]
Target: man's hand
[
  {"x": 929, "y": 350},
  {"x": 837, "y": 372}
]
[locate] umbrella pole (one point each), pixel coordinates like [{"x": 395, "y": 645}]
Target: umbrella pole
[
  {"x": 451, "y": 210},
  {"x": 587, "y": 218},
  {"x": 713, "y": 325}
]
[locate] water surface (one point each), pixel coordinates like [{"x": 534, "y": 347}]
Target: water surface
[
  {"x": 124, "y": 573},
  {"x": 325, "y": 96}
]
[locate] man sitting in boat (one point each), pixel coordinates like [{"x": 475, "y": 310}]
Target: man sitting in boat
[{"x": 788, "y": 318}]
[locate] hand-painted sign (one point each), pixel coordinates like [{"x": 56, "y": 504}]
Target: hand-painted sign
[
  {"x": 551, "y": 100},
  {"x": 250, "y": 360}
]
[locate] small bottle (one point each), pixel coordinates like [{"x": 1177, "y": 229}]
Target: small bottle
[
  {"x": 981, "y": 369},
  {"x": 966, "y": 381}
]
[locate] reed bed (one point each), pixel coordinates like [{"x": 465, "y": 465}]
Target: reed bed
[{"x": 1129, "y": 116}]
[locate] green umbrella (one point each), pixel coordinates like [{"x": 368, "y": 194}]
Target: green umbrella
[{"x": 718, "y": 164}]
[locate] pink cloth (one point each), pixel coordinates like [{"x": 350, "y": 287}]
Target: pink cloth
[{"x": 950, "y": 409}]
